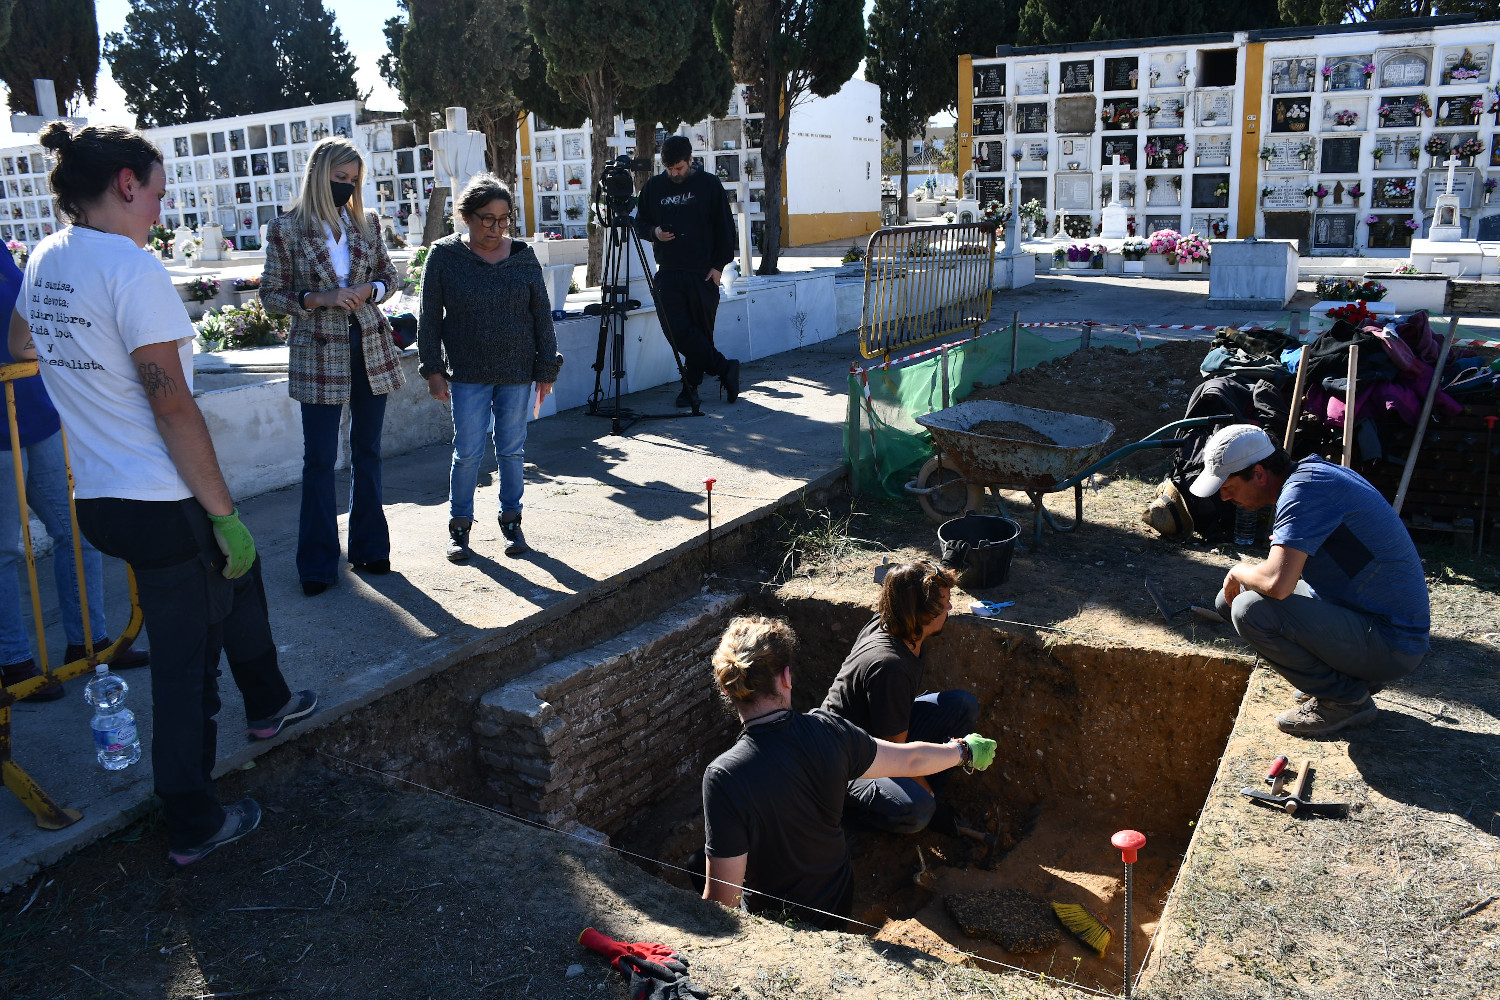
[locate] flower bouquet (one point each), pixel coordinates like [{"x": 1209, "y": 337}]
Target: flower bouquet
[
  {"x": 18, "y": 252},
  {"x": 1406, "y": 269},
  {"x": 1191, "y": 249},
  {"x": 1346, "y": 117},
  {"x": 1469, "y": 148},
  {"x": 1413, "y": 225},
  {"x": 1080, "y": 252},
  {"x": 1164, "y": 241},
  {"x": 1355, "y": 192},
  {"x": 1437, "y": 145},
  {"x": 246, "y": 284},
  {"x": 1355, "y": 314},
  {"x": 1423, "y": 104},
  {"x": 1267, "y": 154},
  {"x": 202, "y": 289},
  {"x": 1135, "y": 249}
]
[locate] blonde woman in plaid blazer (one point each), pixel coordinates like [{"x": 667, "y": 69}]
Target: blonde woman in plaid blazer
[{"x": 327, "y": 269}]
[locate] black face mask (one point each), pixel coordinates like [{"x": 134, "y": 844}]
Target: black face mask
[{"x": 341, "y": 192}]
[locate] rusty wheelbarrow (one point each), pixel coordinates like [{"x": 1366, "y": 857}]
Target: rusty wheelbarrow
[{"x": 1049, "y": 452}]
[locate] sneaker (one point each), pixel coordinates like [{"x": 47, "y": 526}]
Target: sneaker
[
  {"x": 12, "y": 674},
  {"x": 304, "y": 703},
  {"x": 688, "y": 398},
  {"x": 515, "y": 542},
  {"x": 1324, "y": 718},
  {"x": 124, "y": 659},
  {"x": 458, "y": 539},
  {"x": 239, "y": 819},
  {"x": 730, "y": 380}
]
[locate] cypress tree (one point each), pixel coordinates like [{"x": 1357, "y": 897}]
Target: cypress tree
[
  {"x": 248, "y": 75},
  {"x": 55, "y": 40},
  {"x": 162, "y": 61},
  {"x": 319, "y": 67},
  {"x": 788, "y": 49},
  {"x": 910, "y": 58}
]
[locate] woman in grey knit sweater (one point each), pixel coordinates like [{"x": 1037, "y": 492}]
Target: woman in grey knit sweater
[{"x": 484, "y": 335}]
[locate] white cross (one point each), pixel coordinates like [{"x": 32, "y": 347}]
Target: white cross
[
  {"x": 622, "y": 144},
  {"x": 1114, "y": 189},
  {"x": 1452, "y": 162}
]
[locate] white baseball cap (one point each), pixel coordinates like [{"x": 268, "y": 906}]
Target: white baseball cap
[{"x": 1231, "y": 449}]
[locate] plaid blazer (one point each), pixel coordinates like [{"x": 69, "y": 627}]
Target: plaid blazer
[{"x": 319, "y": 339}]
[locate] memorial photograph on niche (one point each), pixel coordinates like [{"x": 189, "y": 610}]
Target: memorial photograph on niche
[
  {"x": 1122, "y": 74},
  {"x": 1077, "y": 77},
  {"x": 1292, "y": 76},
  {"x": 1290, "y": 114}
]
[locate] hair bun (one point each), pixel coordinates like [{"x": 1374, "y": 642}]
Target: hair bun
[{"x": 56, "y": 135}]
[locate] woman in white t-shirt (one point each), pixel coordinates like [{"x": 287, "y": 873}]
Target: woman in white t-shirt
[
  {"x": 114, "y": 345},
  {"x": 327, "y": 269}
]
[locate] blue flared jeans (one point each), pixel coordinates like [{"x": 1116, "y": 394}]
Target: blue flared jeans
[{"x": 479, "y": 408}]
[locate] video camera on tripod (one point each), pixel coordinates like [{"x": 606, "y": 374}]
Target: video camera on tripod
[{"x": 614, "y": 201}]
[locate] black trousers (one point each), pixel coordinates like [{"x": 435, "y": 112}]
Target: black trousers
[
  {"x": 689, "y": 303},
  {"x": 193, "y": 614}
]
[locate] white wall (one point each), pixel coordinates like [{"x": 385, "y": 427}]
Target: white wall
[{"x": 833, "y": 156}]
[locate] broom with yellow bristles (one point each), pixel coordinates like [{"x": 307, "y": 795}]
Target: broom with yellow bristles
[{"x": 1085, "y": 926}]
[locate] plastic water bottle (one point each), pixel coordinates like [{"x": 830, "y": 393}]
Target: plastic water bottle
[
  {"x": 1246, "y": 526},
  {"x": 113, "y": 724}
]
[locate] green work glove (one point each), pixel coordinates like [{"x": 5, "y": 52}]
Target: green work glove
[
  {"x": 982, "y": 751},
  {"x": 239, "y": 548}
]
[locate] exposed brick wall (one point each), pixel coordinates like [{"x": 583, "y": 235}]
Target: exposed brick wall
[
  {"x": 592, "y": 737},
  {"x": 1473, "y": 298}
]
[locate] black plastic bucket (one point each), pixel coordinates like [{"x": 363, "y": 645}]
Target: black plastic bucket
[{"x": 992, "y": 542}]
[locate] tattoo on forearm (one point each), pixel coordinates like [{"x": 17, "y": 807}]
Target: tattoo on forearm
[
  {"x": 30, "y": 344},
  {"x": 155, "y": 380}
]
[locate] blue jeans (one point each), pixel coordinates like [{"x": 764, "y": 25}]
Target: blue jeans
[
  {"x": 479, "y": 408},
  {"x": 902, "y": 805},
  {"x": 47, "y": 494},
  {"x": 318, "y": 535}
]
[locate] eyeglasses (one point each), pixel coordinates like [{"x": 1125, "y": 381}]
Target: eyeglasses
[{"x": 491, "y": 221}]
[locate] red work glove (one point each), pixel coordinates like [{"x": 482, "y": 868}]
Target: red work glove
[{"x": 612, "y": 950}]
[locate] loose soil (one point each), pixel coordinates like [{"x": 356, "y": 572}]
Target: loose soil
[
  {"x": 1011, "y": 430},
  {"x": 357, "y": 886}
]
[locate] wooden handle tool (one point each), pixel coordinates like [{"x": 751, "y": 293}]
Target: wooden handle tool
[{"x": 1299, "y": 790}]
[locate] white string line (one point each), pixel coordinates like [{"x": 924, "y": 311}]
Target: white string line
[{"x": 686, "y": 871}]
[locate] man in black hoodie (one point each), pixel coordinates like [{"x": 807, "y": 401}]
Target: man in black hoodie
[{"x": 684, "y": 212}]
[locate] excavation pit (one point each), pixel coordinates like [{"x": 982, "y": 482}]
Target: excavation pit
[{"x": 1092, "y": 739}]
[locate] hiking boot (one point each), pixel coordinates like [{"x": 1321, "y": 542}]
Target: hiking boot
[
  {"x": 730, "y": 380},
  {"x": 1373, "y": 687},
  {"x": 688, "y": 398},
  {"x": 12, "y": 674},
  {"x": 124, "y": 659},
  {"x": 1324, "y": 718},
  {"x": 239, "y": 819},
  {"x": 304, "y": 703},
  {"x": 515, "y": 542},
  {"x": 458, "y": 539}
]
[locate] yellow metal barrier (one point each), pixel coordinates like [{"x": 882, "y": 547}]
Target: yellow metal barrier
[
  {"x": 49, "y": 815},
  {"x": 924, "y": 282}
]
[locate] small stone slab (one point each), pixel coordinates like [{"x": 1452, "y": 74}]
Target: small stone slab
[{"x": 1013, "y": 918}]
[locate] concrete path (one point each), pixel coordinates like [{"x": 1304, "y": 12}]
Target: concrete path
[{"x": 598, "y": 508}]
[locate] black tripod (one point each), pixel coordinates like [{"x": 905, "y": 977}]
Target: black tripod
[{"x": 613, "y": 306}]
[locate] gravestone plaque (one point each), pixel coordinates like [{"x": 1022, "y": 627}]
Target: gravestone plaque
[
  {"x": 1347, "y": 72},
  {"x": 1489, "y": 228},
  {"x": 1169, "y": 154},
  {"x": 1075, "y": 192},
  {"x": 1200, "y": 224},
  {"x": 1168, "y": 69},
  {"x": 1214, "y": 108},
  {"x": 1286, "y": 193},
  {"x": 1467, "y": 64},
  {"x": 1393, "y": 192},
  {"x": 1394, "y": 151},
  {"x": 1403, "y": 69},
  {"x": 1077, "y": 115},
  {"x": 1170, "y": 116},
  {"x": 1291, "y": 114},
  {"x": 1034, "y": 189},
  {"x": 1162, "y": 191},
  {"x": 1495, "y": 150},
  {"x": 1465, "y": 182},
  {"x": 1334, "y": 230},
  {"x": 1286, "y": 154},
  {"x": 1031, "y": 79},
  {"x": 989, "y": 81},
  {"x": 1289, "y": 226},
  {"x": 1122, "y": 74},
  {"x": 989, "y": 119},
  {"x": 1156, "y": 223},
  {"x": 1212, "y": 150},
  {"x": 1390, "y": 232},
  {"x": 1292, "y": 76},
  {"x": 990, "y": 189},
  {"x": 1031, "y": 117},
  {"x": 1035, "y": 154},
  {"x": 1399, "y": 112},
  {"x": 1077, "y": 77},
  {"x": 1125, "y": 146},
  {"x": 1456, "y": 112},
  {"x": 1123, "y": 112},
  {"x": 1340, "y": 155},
  {"x": 989, "y": 155},
  {"x": 1345, "y": 114},
  {"x": 1204, "y": 186}
]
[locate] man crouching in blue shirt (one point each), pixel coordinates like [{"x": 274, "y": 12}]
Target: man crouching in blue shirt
[{"x": 1340, "y": 607}]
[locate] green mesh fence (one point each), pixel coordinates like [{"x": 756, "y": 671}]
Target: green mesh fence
[{"x": 885, "y": 447}]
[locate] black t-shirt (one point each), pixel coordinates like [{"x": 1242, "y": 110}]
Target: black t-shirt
[
  {"x": 697, "y": 210},
  {"x": 778, "y": 796},
  {"x": 877, "y": 684}
]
